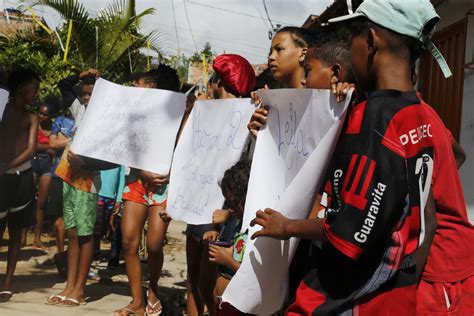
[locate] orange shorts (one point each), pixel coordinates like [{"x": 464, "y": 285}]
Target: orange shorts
[
  {"x": 456, "y": 298},
  {"x": 139, "y": 192}
]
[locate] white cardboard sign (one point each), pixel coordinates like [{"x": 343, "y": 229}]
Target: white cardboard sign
[
  {"x": 212, "y": 141},
  {"x": 134, "y": 127},
  {"x": 3, "y": 102},
  {"x": 290, "y": 160}
]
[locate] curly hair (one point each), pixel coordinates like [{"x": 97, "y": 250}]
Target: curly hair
[{"x": 235, "y": 183}]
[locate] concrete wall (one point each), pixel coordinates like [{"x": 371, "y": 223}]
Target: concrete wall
[{"x": 452, "y": 11}]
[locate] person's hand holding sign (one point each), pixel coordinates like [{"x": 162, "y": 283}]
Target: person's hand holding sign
[
  {"x": 154, "y": 179},
  {"x": 273, "y": 223}
]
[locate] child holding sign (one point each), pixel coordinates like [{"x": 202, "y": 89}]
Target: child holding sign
[
  {"x": 374, "y": 247},
  {"x": 234, "y": 77},
  {"x": 145, "y": 196},
  {"x": 229, "y": 256},
  {"x": 286, "y": 62}
]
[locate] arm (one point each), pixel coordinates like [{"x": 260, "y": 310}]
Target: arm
[
  {"x": 42, "y": 147},
  {"x": 153, "y": 178},
  {"x": 459, "y": 154},
  {"x": 275, "y": 225},
  {"x": 223, "y": 256},
  {"x": 65, "y": 87},
  {"x": 421, "y": 254},
  {"x": 30, "y": 150},
  {"x": 58, "y": 141}
]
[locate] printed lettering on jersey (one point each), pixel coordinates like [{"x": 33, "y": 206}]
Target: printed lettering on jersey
[
  {"x": 360, "y": 172},
  {"x": 408, "y": 132}
]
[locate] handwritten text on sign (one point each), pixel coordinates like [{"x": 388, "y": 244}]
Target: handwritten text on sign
[
  {"x": 289, "y": 163},
  {"x": 134, "y": 127},
  {"x": 212, "y": 141}
]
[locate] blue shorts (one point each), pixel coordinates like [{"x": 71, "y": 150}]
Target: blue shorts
[{"x": 41, "y": 164}]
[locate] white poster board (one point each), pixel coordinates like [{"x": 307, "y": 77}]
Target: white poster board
[
  {"x": 3, "y": 101},
  {"x": 289, "y": 164},
  {"x": 134, "y": 127},
  {"x": 212, "y": 141}
]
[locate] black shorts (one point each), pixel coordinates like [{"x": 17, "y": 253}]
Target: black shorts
[
  {"x": 54, "y": 207},
  {"x": 17, "y": 192}
]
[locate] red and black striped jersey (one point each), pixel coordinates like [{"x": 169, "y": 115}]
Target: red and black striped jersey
[{"x": 378, "y": 182}]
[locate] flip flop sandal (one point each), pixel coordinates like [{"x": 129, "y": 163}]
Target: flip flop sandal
[
  {"x": 152, "y": 307},
  {"x": 55, "y": 299},
  {"x": 70, "y": 302},
  {"x": 127, "y": 311},
  {"x": 5, "y": 296}
]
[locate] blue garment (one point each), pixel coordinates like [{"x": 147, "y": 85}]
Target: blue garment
[
  {"x": 112, "y": 183},
  {"x": 64, "y": 125}
]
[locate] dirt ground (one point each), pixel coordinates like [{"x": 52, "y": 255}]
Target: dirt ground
[{"x": 35, "y": 281}]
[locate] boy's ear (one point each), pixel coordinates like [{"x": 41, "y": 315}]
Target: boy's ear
[
  {"x": 303, "y": 54},
  {"x": 373, "y": 41},
  {"x": 336, "y": 73}
]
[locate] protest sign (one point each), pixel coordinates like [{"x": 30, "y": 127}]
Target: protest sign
[
  {"x": 290, "y": 160},
  {"x": 211, "y": 142},
  {"x": 134, "y": 127},
  {"x": 3, "y": 102}
]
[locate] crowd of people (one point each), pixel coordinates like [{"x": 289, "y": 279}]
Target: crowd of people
[{"x": 388, "y": 233}]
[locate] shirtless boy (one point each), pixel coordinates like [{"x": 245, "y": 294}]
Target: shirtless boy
[{"x": 18, "y": 132}]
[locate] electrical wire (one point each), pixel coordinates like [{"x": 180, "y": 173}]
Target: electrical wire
[
  {"x": 175, "y": 25},
  {"x": 268, "y": 15},
  {"x": 189, "y": 25},
  {"x": 231, "y": 11},
  {"x": 259, "y": 13}
]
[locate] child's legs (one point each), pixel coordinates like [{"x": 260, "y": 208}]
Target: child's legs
[
  {"x": 59, "y": 232},
  {"x": 133, "y": 219},
  {"x": 207, "y": 279},
  {"x": 98, "y": 227},
  {"x": 72, "y": 260},
  {"x": 86, "y": 251},
  {"x": 79, "y": 213},
  {"x": 221, "y": 285},
  {"x": 155, "y": 241},
  {"x": 194, "y": 303},
  {"x": 44, "y": 184},
  {"x": 14, "y": 245}
]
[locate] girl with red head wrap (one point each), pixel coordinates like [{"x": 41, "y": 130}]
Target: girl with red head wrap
[{"x": 233, "y": 77}]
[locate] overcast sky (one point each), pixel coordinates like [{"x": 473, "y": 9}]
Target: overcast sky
[{"x": 233, "y": 26}]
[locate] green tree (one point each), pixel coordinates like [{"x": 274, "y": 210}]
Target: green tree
[
  {"x": 207, "y": 51},
  {"x": 117, "y": 28},
  {"x": 36, "y": 51},
  {"x": 179, "y": 62}
]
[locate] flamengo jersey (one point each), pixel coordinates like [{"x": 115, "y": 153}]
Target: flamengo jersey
[{"x": 378, "y": 182}]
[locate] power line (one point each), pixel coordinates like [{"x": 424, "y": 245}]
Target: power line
[
  {"x": 189, "y": 25},
  {"x": 268, "y": 15},
  {"x": 259, "y": 13},
  {"x": 175, "y": 25},
  {"x": 229, "y": 38},
  {"x": 230, "y": 11}
]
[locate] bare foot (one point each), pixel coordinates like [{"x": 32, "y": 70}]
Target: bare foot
[
  {"x": 72, "y": 300},
  {"x": 153, "y": 306},
  {"x": 130, "y": 309}
]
